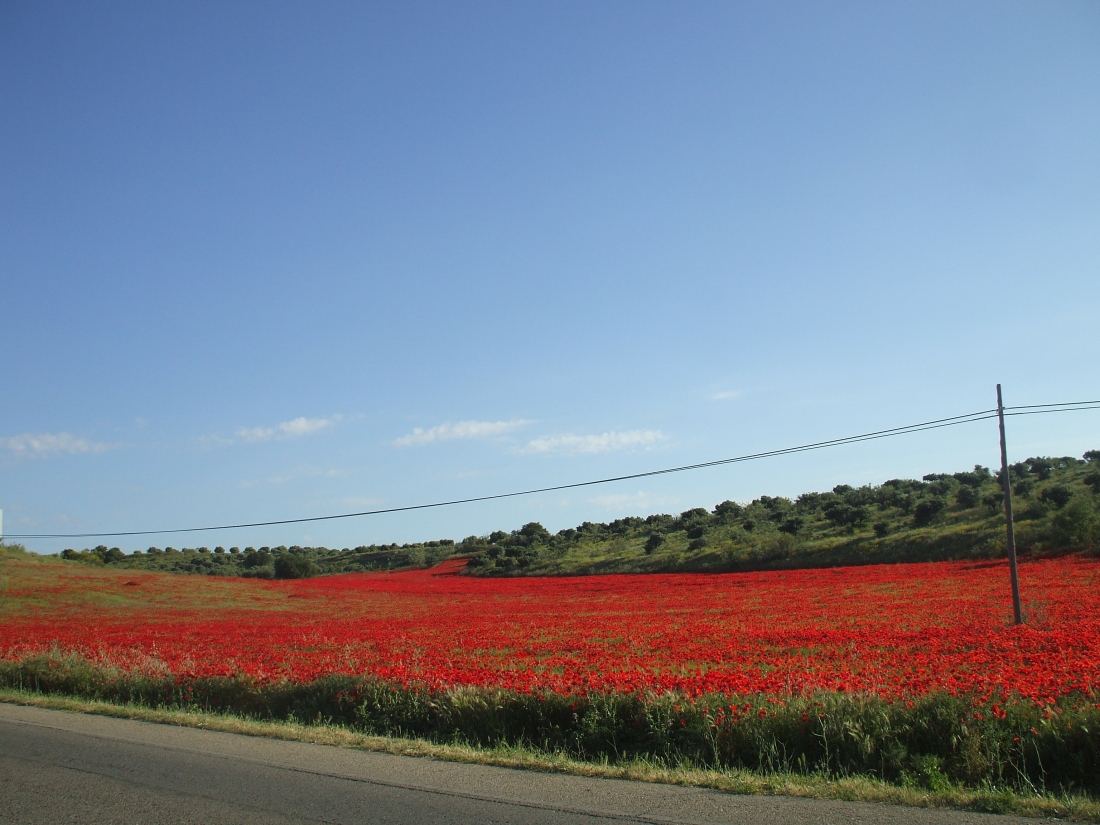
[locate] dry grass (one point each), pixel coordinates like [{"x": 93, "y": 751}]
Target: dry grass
[{"x": 860, "y": 789}]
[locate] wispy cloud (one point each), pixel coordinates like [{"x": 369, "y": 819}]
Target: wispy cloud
[
  {"x": 292, "y": 475},
  {"x": 295, "y": 428},
  {"x": 586, "y": 444},
  {"x": 461, "y": 429},
  {"x": 639, "y": 501},
  {"x": 45, "y": 445},
  {"x": 724, "y": 394}
]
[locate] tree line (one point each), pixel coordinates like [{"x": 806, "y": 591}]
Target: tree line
[{"x": 941, "y": 516}]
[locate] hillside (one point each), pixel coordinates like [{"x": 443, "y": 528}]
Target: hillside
[{"x": 943, "y": 516}]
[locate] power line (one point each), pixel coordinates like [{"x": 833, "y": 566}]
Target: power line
[
  {"x": 1067, "y": 404},
  {"x": 1034, "y": 409},
  {"x": 981, "y": 415}
]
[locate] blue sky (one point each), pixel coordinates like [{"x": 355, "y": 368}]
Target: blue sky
[{"x": 275, "y": 261}]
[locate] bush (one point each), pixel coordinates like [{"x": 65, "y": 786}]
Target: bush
[
  {"x": 256, "y": 559},
  {"x": 1058, "y": 495},
  {"x": 1079, "y": 523},
  {"x": 845, "y": 515},
  {"x": 290, "y": 566},
  {"x": 792, "y": 525},
  {"x": 968, "y": 497},
  {"x": 994, "y": 501},
  {"x": 927, "y": 509}
]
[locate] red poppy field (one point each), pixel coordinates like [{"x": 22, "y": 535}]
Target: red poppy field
[{"x": 898, "y": 631}]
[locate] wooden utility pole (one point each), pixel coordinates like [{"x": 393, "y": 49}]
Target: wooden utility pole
[{"x": 1017, "y": 611}]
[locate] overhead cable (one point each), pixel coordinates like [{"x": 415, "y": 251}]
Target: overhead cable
[{"x": 981, "y": 415}]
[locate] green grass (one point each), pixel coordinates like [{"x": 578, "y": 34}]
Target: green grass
[
  {"x": 738, "y": 781},
  {"x": 938, "y": 744}
]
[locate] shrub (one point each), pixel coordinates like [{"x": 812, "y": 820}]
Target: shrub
[
  {"x": 1079, "y": 523},
  {"x": 968, "y": 497},
  {"x": 1058, "y": 495},
  {"x": 255, "y": 559},
  {"x": 927, "y": 509},
  {"x": 727, "y": 511},
  {"x": 845, "y": 515},
  {"x": 290, "y": 566},
  {"x": 792, "y": 525}
]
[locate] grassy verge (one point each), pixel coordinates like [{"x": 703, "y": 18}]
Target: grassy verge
[
  {"x": 814, "y": 786},
  {"x": 938, "y": 750}
]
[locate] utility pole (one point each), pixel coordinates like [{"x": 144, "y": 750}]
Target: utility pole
[{"x": 1017, "y": 612}]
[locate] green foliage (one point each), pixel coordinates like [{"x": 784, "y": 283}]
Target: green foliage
[
  {"x": 967, "y": 497},
  {"x": 842, "y": 514},
  {"x": 938, "y": 742},
  {"x": 91, "y": 557},
  {"x": 792, "y": 525},
  {"x": 937, "y": 518},
  {"x": 943, "y": 516},
  {"x": 927, "y": 509},
  {"x": 293, "y": 566},
  {"x": 510, "y": 552},
  {"x": 1057, "y": 495},
  {"x": 1079, "y": 524},
  {"x": 12, "y": 550}
]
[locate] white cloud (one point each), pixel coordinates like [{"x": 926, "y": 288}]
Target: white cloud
[
  {"x": 43, "y": 445},
  {"x": 462, "y": 429},
  {"x": 638, "y": 501},
  {"x": 605, "y": 443},
  {"x": 291, "y": 475},
  {"x": 721, "y": 396},
  {"x": 288, "y": 429}
]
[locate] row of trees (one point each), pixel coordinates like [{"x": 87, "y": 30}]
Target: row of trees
[
  {"x": 269, "y": 562},
  {"x": 1060, "y": 492},
  {"x": 1058, "y": 496}
]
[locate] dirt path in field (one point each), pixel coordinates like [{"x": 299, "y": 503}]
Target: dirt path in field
[{"x": 63, "y": 767}]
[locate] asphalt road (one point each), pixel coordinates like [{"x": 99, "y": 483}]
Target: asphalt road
[{"x": 66, "y": 767}]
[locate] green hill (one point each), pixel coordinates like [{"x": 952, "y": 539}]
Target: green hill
[{"x": 943, "y": 516}]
